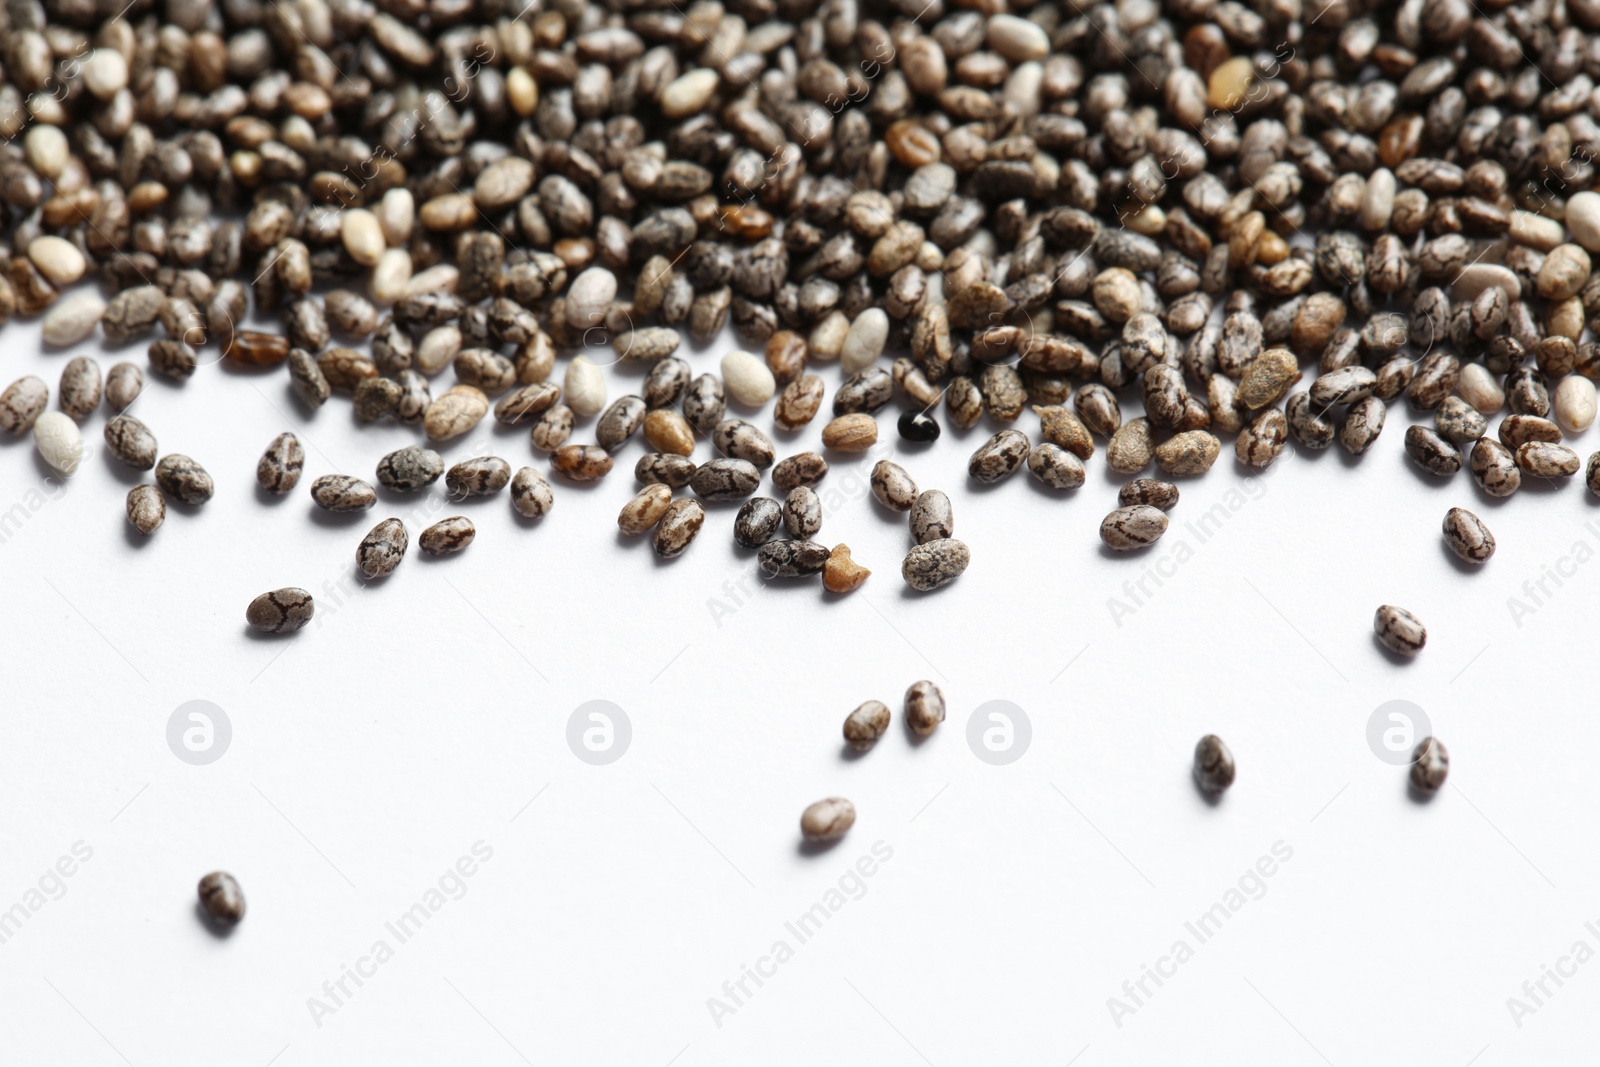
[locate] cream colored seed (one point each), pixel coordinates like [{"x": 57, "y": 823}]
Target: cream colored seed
[
  {"x": 57, "y": 259},
  {"x": 391, "y": 275},
  {"x": 362, "y": 235},
  {"x": 748, "y": 379},
  {"x": 828, "y": 820},
  {"x": 1574, "y": 403},
  {"x": 584, "y": 387},
  {"x": 397, "y": 214}
]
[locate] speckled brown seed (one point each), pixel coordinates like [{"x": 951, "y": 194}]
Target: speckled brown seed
[
  {"x": 1362, "y": 424},
  {"x": 931, "y": 517},
  {"x": 280, "y": 611},
  {"x": 666, "y": 468},
  {"x": 1494, "y": 468},
  {"x": 1132, "y": 447},
  {"x": 483, "y": 476},
  {"x": 936, "y": 563},
  {"x": 1545, "y": 460},
  {"x": 278, "y": 469},
  {"x": 802, "y": 512},
  {"x": 1399, "y": 630},
  {"x": 184, "y": 480},
  {"x": 1189, "y": 453},
  {"x": 799, "y": 402},
  {"x": 221, "y": 898},
  {"x": 1430, "y": 765},
  {"x": 758, "y": 519},
  {"x": 1055, "y": 466},
  {"x": 341, "y": 492},
  {"x": 851, "y": 433},
  {"x": 1214, "y": 768},
  {"x": 131, "y": 442},
  {"x": 1467, "y": 536},
  {"x": 80, "y": 387},
  {"x": 530, "y": 493},
  {"x": 677, "y": 529},
  {"x": 447, "y": 536},
  {"x": 1151, "y": 491},
  {"x": 924, "y": 708},
  {"x": 999, "y": 457},
  {"x": 738, "y": 439},
  {"x": 1136, "y": 526},
  {"x": 1431, "y": 452},
  {"x": 381, "y": 551},
  {"x": 725, "y": 479},
  {"x": 581, "y": 463},
  {"x": 646, "y": 508},
  {"x": 147, "y": 508},
  {"x": 21, "y": 404},
  {"x": 863, "y": 726},
  {"x": 892, "y": 486},
  {"x": 791, "y": 558},
  {"x": 1261, "y": 442},
  {"x": 408, "y": 469},
  {"x": 453, "y": 413},
  {"x": 827, "y": 820}
]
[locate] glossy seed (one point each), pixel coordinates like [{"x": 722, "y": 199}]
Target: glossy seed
[
  {"x": 1136, "y": 526},
  {"x": 280, "y": 611},
  {"x": 863, "y": 726},
  {"x": 1467, "y": 536},
  {"x": 447, "y": 536},
  {"x": 827, "y": 820},
  {"x": 1430, "y": 765},
  {"x": 1399, "y": 630},
  {"x": 341, "y": 492},
  {"x": 1213, "y": 764},
  {"x": 221, "y": 898},
  {"x": 381, "y": 551}
]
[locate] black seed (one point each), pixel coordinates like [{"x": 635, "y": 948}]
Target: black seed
[{"x": 918, "y": 426}]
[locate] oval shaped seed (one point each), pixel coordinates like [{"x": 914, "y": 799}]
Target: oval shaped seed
[
  {"x": 893, "y": 487},
  {"x": 381, "y": 551},
  {"x": 668, "y": 431},
  {"x": 1344, "y": 386},
  {"x": 454, "y": 413},
  {"x": 1261, "y": 442},
  {"x": 1574, "y": 403},
  {"x": 827, "y": 820},
  {"x": 931, "y": 517},
  {"x": 1478, "y": 386},
  {"x": 280, "y": 611},
  {"x": 1431, "y": 452},
  {"x": 484, "y": 476},
  {"x": 1135, "y": 526},
  {"x": 80, "y": 387},
  {"x": 552, "y": 429},
  {"x": 863, "y": 726},
  {"x": 924, "y": 708},
  {"x": 590, "y": 293},
  {"x": 757, "y": 521},
  {"x": 1055, "y": 467},
  {"x": 447, "y": 536},
  {"x": 22, "y": 403},
  {"x": 124, "y": 383},
  {"x": 530, "y": 493},
  {"x": 999, "y": 457},
  {"x": 362, "y": 236},
  {"x": 802, "y": 512},
  {"x": 703, "y": 403},
  {"x": 221, "y": 896},
  {"x": 184, "y": 480},
  {"x": 790, "y": 558},
  {"x": 58, "y": 259},
  {"x": 640, "y": 514},
  {"x": 1518, "y": 430},
  {"x": 851, "y": 433},
  {"x": 665, "y": 467},
  {"x": 526, "y": 402},
  {"x": 73, "y": 318},
  {"x": 864, "y": 341},
  {"x": 799, "y": 402},
  {"x": 131, "y": 442},
  {"x": 1467, "y": 536},
  {"x": 1494, "y": 468},
  {"x": 58, "y": 440},
  {"x": 1430, "y": 765},
  {"x": 278, "y": 469},
  {"x": 748, "y": 378},
  {"x": 1399, "y": 630},
  {"x": 678, "y": 528},
  {"x": 936, "y": 563},
  {"x": 408, "y": 469},
  {"x": 584, "y": 387},
  {"x": 1545, "y": 460},
  {"x": 802, "y": 468},
  {"x": 1458, "y": 421},
  {"x": 738, "y": 439},
  {"x": 1213, "y": 764},
  {"x": 581, "y": 463},
  {"x": 1148, "y": 491},
  {"x": 147, "y": 508},
  {"x": 725, "y": 479},
  {"x": 341, "y": 492}
]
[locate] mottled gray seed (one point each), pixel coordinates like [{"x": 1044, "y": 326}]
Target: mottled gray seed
[
  {"x": 530, "y": 493},
  {"x": 931, "y": 517},
  {"x": 791, "y": 558},
  {"x": 1135, "y": 526},
  {"x": 80, "y": 387},
  {"x": 924, "y": 708},
  {"x": 802, "y": 512},
  {"x": 935, "y": 563},
  {"x": 725, "y": 479},
  {"x": 1151, "y": 491},
  {"x": 482, "y": 476},
  {"x": 1055, "y": 467},
  {"x": 147, "y": 508},
  {"x": 184, "y": 480},
  {"x": 221, "y": 897},
  {"x": 447, "y": 536},
  {"x": 131, "y": 442},
  {"x": 341, "y": 492},
  {"x": 863, "y": 726},
  {"x": 1432, "y": 452},
  {"x": 1399, "y": 630},
  {"x": 280, "y": 611},
  {"x": 1430, "y": 765},
  {"x": 1494, "y": 468},
  {"x": 738, "y": 439},
  {"x": 381, "y": 551},
  {"x": 1213, "y": 764},
  {"x": 1545, "y": 460},
  {"x": 892, "y": 486},
  {"x": 758, "y": 519},
  {"x": 999, "y": 457},
  {"x": 21, "y": 404},
  {"x": 1467, "y": 536},
  {"x": 278, "y": 469},
  {"x": 666, "y": 468}
]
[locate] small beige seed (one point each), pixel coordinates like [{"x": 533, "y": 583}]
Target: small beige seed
[
  {"x": 851, "y": 433},
  {"x": 362, "y": 235},
  {"x": 828, "y": 820}
]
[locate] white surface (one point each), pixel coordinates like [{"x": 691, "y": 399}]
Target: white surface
[{"x": 419, "y": 716}]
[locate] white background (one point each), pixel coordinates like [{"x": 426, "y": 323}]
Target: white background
[{"x": 426, "y": 713}]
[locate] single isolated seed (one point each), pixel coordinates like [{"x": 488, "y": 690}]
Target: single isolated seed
[
  {"x": 1467, "y": 536},
  {"x": 221, "y": 897},
  {"x": 531, "y": 495},
  {"x": 894, "y": 488},
  {"x": 1213, "y": 765},
  {"x": 1399, "y": 630},
  {"x": 408, "y": 469},
  {"x": 341, "y": 492},
  {"x": 924, "y": 708},
  {"x": 936, "y": 563},
  {"x": 147, "y": 508},
  {"x": 184, "y": 480},
  {"x": 1430, "y": 765},
  {"x": 827, "y": 820},
  {"x": 381, "y": 551},
  {"x": 863, "y": 726},
  {"x": 1135, "y": 526},
  {"x": 278, "y": 469},
  {"x": 447, "y": 536},
  {"x": 280, "y": 611}
]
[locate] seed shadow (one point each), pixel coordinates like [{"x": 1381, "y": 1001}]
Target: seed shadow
[
  {"x": 1399, "y": 659},
  {"x": 48, "y": 472},
  {"x": 123, "y": 473},
  {"x": 1051, "y": 492},
  {"x": 1427, "y": 477},
  {"x": 1351, "y": 460},
  {"x": 135, "y": 539},
  {"x": 627, "y": 540},
  {"x": 1418, "y": 796},
  {"x": 574, "y": 483},
  {"x": 914, "y": 739},
  {"x": 851, "y": 755},
  {"x": 981, "y": 488},
  {"x": 219, "y": 930},
  {"x": 1539, "y": 485},
  {"x": 808, "y": 847},
  {"x": 908, "y": 593},
  {"x": 1107, "y": 552},
  {"x": 1461, "y": 565},
  {"x": 253, "y": 634},
  {"x": 267, "y": 496},
  {"x": 338, "y": 520}
]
